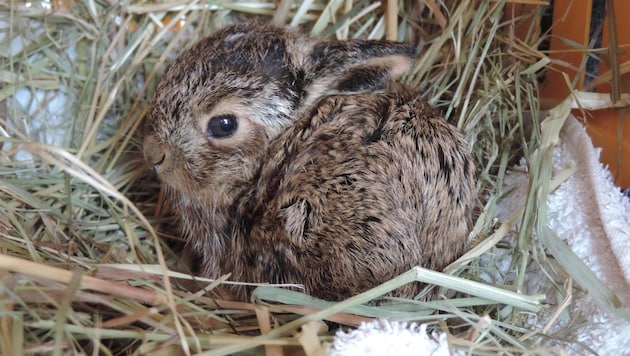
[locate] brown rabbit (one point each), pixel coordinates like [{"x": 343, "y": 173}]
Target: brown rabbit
[{"x": 294, "y": 160}]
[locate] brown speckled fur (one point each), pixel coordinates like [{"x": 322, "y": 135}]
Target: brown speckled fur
[{"x": 336, "y": 177}]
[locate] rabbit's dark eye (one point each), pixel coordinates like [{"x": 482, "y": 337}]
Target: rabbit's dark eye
[{"x": 222, "y": 126}]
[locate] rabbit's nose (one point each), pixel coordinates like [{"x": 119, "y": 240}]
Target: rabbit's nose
[
  {"x": 158, "y": 162},
  {"x": 155, "y": 154}
]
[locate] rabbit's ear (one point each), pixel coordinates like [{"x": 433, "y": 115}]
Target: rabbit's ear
[{"x": 356, "y": 66}]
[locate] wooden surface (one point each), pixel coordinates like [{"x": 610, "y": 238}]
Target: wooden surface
[
  {"x": 572, "y": 22},
  {"x": 610, "y": 129},
  {"x": 607, "y": 128}
]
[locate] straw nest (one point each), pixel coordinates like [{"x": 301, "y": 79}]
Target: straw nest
[{"x": 87, "y": 255}]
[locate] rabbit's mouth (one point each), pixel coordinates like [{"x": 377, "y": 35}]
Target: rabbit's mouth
[{"x": 154, "y": 152}]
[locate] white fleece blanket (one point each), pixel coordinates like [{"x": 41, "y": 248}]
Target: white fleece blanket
[{"x": 590, "y": 214}]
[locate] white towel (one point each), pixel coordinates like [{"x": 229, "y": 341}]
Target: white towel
[
  {"x": 382, "y": 337},
  {"x": 592, "y": 216}
]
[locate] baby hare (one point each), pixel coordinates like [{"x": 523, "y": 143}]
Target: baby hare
[{"x": 295, "y": 160}]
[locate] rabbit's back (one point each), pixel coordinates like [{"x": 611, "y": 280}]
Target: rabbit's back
[{"x": 360, "y": 189}]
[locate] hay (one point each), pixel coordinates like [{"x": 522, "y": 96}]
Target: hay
[{"x": 85, "y": 250}]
